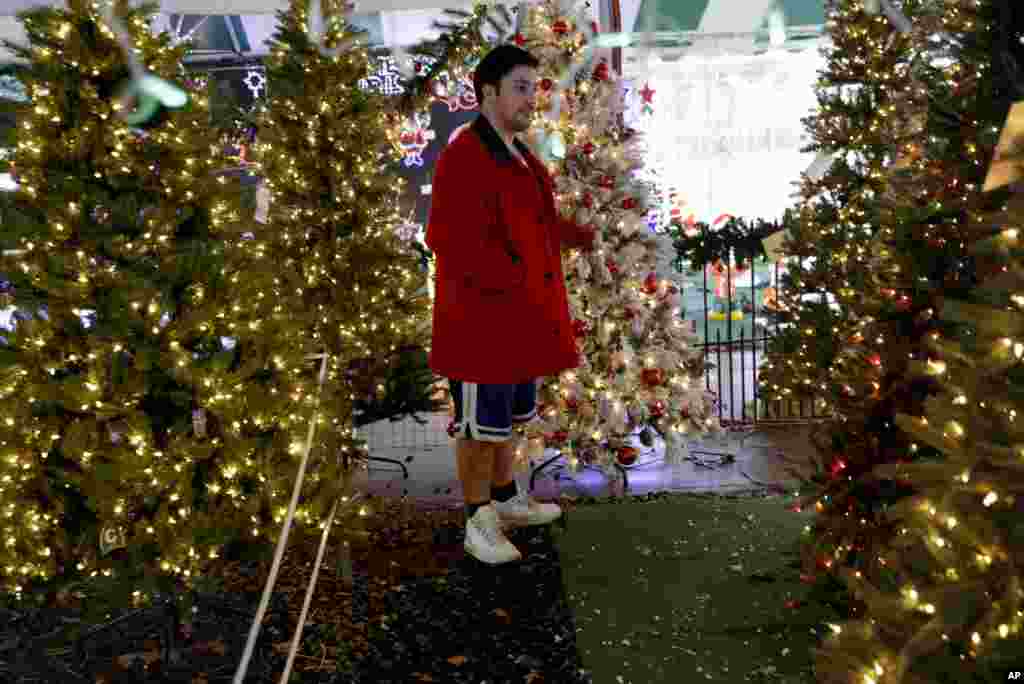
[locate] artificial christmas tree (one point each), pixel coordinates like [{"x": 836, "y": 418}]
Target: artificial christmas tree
[
  {"x": 936, "y": 551},
  {"x": 141, "y": 406},
  {"x": 829, "y": 236},
  {"x": 639, "y": 367},
  {"x": 346, "y": 283}
]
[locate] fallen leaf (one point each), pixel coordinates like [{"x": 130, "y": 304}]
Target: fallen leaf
[
  {"x": 215, "y": 647},
  {"x": 534, "y": 677},
  {"x": 422, "y": 677},
  {"x": 503, "y": 614},
  {"x": 126, "y": 660},
  {"x": 457, "y": 660}
]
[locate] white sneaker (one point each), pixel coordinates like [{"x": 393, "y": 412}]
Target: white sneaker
[
  {"x": 485, "y": 541},
  {"x": 521, "y": 510}
]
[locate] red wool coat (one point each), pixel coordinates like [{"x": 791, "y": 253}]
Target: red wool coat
[{"x": 501, "y": 313}]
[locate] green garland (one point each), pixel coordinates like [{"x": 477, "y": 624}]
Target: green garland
[{"x": 738, "y": 236}]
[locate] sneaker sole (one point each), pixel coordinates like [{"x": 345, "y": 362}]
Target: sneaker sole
[{"x": 469, "y": 550}]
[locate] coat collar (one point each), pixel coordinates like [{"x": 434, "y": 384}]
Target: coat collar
[{"x": 494, "y": 144}]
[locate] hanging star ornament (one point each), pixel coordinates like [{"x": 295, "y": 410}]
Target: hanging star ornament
[{"x": 647, "y": 93}]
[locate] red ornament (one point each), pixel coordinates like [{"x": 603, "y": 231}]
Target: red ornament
[
  {"x": 547, "y": 84},
  {"x": 601, "y": 72},
  {"x": 652, "y": 377},
  {"x": 560, "y": 27},
  {"x": 559, "y": 437},
  {"x": 520, "y": 40},
  {"x": 650, "y": 284},
  {"x": 629, "y": 314},
  {"x": 627, "y": 455},
  {"x": 647, "y": 94},
  {"x": 657, "y": 409},
  {"x": 579, "y": 328},
  {"x": 594, "y": 28},
  {"x": 573, "y": 403},
  {"x": 629, "y": 203},
  {"x": 608, "y": 182},
  {"x": 588, "y": 200},
  {"x": 875, "y": 360},
  {"x": 589, "y": 148},
  {"x": 612, "y": 267}
]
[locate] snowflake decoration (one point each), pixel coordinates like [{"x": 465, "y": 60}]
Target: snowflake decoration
[
  {"x": 256, "y": 82},
  {"x": 387, "y": 80}
]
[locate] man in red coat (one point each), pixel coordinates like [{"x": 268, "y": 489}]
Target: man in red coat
[{"x": 501, "y": 313}]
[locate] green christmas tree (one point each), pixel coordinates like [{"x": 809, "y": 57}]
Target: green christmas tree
[
  {"x": 836, "y": 218},
  {"x": 858, "y": 366},
  {"x": 141, "y": 403},
  {"x": 935, "y": 560},
  {"x": 346, "y": 284}
]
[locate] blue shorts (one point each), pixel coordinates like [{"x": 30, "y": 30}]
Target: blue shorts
[{"x": 487, "y": 412}]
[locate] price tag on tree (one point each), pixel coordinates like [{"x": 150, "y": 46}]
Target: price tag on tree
[
  {"x": 1009, "y": 154},
  {"x": 112, "y": 537},
  {"x": 262, "y": 203},
  {"x": 199, "y": 422},
  {"x": 773, "y": 245}
]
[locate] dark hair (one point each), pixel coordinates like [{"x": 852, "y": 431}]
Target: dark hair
[{"x": 497, "y": 64}]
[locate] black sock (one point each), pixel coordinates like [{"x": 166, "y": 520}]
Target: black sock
[
  {"x": 504, "y": 493},
  {"x": 471, "y": 509}
]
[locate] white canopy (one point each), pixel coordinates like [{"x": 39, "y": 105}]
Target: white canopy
[{"x": 694, "y": 26}]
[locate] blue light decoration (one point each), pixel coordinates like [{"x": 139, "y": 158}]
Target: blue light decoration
[{"x": 653, "y": 221}]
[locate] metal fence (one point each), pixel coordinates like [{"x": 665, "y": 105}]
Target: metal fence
[{"x": 734, "y": 360}]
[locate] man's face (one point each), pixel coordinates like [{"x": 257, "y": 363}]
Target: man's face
[{"x": 518, "y": 98}]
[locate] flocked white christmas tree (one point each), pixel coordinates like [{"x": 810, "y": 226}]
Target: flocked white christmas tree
[{"x": 640, "y": 367}]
